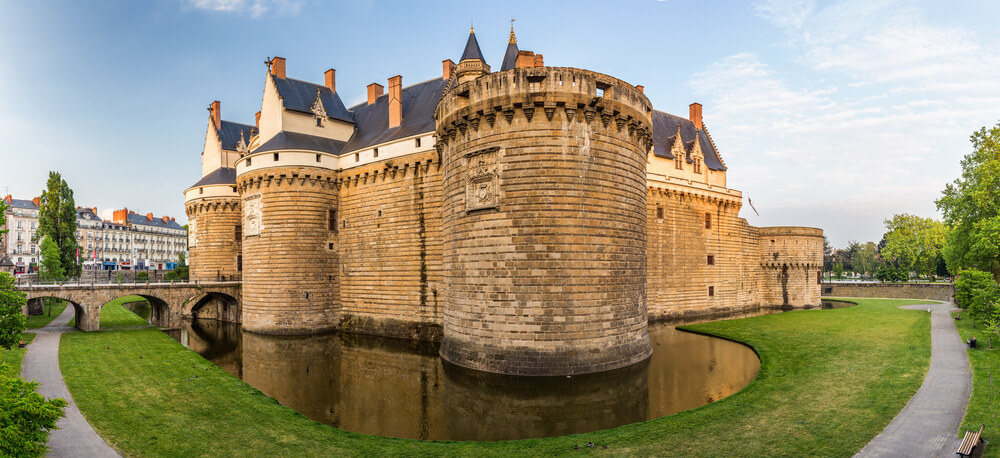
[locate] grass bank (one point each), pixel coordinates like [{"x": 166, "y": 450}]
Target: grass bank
[
  {"x": 14, "y": 356},
  {"x": 39, "y": 321},
  {"x": 114, "y": 315},
  {"x": 984, "y": 406},
  {"x": 830, "y": 380}
]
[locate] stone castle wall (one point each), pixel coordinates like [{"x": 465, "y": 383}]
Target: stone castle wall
[
  {"x": 390, "y": 248},
  {"x": 215, "y": 250},
  {"x": 544, "y": 199},
  {"x": 791, "y": 260}
]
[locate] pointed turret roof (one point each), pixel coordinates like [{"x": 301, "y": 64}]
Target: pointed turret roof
[
  {"x": 510, "y": 57},
  {"x": 472, "y": 50}
]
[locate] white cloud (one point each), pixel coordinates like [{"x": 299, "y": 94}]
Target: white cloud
[{"x": 254, "y": 8}]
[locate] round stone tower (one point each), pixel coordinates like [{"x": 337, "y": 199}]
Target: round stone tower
[
  {"x": 544, "y": 206},
  {"x": 290, "y": 274},
  {"x": 213, "y": 211}
]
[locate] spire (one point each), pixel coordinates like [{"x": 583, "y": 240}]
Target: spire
[
  {"x": 472, "y": 50},
  {"x": 510, "y": 57},
  {"x": 513, "y": 39}
]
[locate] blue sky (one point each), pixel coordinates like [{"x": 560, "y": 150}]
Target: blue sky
[{"x": 828, "y": 114}]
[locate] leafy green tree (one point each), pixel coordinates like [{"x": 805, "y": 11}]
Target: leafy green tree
[
  {"x": 26, "y": 417},
  {"x": 57, "y": 220},
  {"x": 827, "y": 255},
  {"x": 3, "y": 219},
  {"x": 838, "y": 270},
  {"x": 866, "y": 259},
  {"x": 968, "y": 282},
  {"x": 12, "y": 321},
  {"x": 914, "y": 242},
  {"x": 971, "y": 207},
  {"x": 51, "y": 263}
]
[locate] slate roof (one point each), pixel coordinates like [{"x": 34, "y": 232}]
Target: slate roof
[
  {"x": 141, "y": 220},
  {"x": 509, "y": 57},
  {"x": 25, "y": 204},
  {"x": 372, "y": 120},
  {"x": 297, "y": 141},
  {"x": 221, "y": 175},
  {"x": 229, "y": 134},
  {"x": 472, "y": 50},
  {"x": 665, "y": 128},
  {"x": 86, "y": 213},
  {"x": 300, "y": 95}
]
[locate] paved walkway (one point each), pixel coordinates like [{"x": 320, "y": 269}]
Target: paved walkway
[
  {"x": 928, "y": 425},
  {"x": 74, "y": 437}
]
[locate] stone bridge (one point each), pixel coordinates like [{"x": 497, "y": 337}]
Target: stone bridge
[{"x": 170, "y": 302}]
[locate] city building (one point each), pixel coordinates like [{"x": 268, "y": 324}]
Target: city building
[
  {"x": 144, "y": 242},
  {"x": 531, "y": 219},
  {"x": 19, "y": 242}
]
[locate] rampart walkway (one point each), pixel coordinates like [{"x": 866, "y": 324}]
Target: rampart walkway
[
  {"x": 928, "y": 425},
  {"x": 74, "y": 437},
  {"x": 170, "y": 301}
]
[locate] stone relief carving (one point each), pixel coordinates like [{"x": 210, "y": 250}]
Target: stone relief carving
[
  {"x": 482, "y": 179},
  {"x": 251, "y": 215},
  {"x": 193, "y": 233}
]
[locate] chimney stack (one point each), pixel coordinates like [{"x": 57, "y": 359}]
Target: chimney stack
[
  {"x": 374, "y": 90},
  {"x": 538, "y": 61},
  {"x": 331, "y": 79},
  {"x": 37, "y": 201},
  {"x": 216, "y": 110},
  {"x": 395, "y": 101},
  {"x": 149, "y": 216},
  {"x": 640, "y": 88},
  {"x": 278, "y": 67},
  {"x": 695, "y": 115},
  {"x": 447, "y": 69},
  {"x": 8, "y": 198},
  {"x": 257, "y": 120},
  {"x": 525, "y": 59}
]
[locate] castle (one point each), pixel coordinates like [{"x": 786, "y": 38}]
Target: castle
[{"x": 531, "y": 219}]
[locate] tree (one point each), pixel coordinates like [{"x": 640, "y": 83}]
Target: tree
[
  {"x": 914, "y": 242},
  {"x": 12, "y": 321},
  {"x": 971, "y": 207},
  {"x": 51, "y": 264},
  {"x": 866, "y": 259},
  {"x": 27, "y": 417},
  {"x": 3, "y": 219},
  {"x": 57, "y": 220},
  {"x": 838, "y": 270},
  {"x": 827, "y": 254}
]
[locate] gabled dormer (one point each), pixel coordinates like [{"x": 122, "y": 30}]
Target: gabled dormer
[
  {"x": 222, "y": 140},
  {"x": 299, "y": 107},
  {"x": 683, "y": 150}
]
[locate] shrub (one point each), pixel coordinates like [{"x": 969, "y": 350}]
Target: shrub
[
  {"x": 142, "y": 277},
  {"x": 969, "y": 283},
  {"x": 26, "y": 417},
  {"x": 12, "y": 321}
]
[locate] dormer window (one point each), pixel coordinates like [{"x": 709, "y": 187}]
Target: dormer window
[
  {"x": 319, "y": 121},
  {"x": 679, "y": 162},
  {"x": 697, "y": 166}
]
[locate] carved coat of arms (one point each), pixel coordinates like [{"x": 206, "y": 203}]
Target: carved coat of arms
[
  {"x": 482, "y": 179},
  {"x": 251, "y": 215}
]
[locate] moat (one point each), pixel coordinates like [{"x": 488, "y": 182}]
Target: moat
[{"x": 401, "y": 388}]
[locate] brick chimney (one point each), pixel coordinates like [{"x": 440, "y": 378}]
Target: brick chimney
[
  {"x": 257, "y": 120},
  {"x": 395, "y": 101},
  {"x": 37, "y": 201},
  {"x": 374, "y": 90},
  {"x": 278, "y": 67},
  {"x": 640, "y": 88},
  {"x": 695, "y": 115},
  {"x": 149, "y": 216},
  {"x": 8, "y": 198},
  {"x": 525, "y": 59},
  {"x": 447, "y": 69},
  {"x": 331, "y": 79},
  {"x": 120, "y": 216},
  {"x": 166, "y": 219},
  {"x": 538, "y": 61},
  {"x": 216, "y": 111}
]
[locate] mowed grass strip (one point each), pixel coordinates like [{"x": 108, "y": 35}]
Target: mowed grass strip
[
  {"x": 114, "y": 315},
  {"x": 830, "y": 380},
  {"x": 14, "y": 356},
  {"x": 39, "y": 321},
  {"x": 984, "y": 406}
]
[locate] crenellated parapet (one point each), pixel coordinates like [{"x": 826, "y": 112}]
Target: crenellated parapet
[{"x": 791, "y": 260}]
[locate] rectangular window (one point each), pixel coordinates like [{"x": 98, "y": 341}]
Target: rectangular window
[
  {"x": 711, "y": 260},
  {"x": 659, "y": 212},
  {"x": 319, "y": 122},
  {"x": 332, "y": 220},
  {"x": 417, "y": 141},
  {"x": 238, "y": 232},
  {"x": 357, "y": 157},
  {"x": 275, "y": 156},
  {"x": 711, "y": 291},
  {"x": 708, "y": 220},
  {"x": 239, "y": 262},
  {"x": 318, "y": 158},
  {"x": 375, "y": 152},
  {"x": 248, "y": 162},
  {"x": 819, "y": 277}
]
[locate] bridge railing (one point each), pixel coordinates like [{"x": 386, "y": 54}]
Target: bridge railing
[{"x": 93, "y": 281}]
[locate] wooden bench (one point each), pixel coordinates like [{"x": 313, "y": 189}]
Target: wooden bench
[{"x": 970, "y": 442}]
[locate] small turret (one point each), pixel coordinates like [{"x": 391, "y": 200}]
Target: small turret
[
  {"x": 510, "y": 57},
  {"x": 473, "y": 64}
]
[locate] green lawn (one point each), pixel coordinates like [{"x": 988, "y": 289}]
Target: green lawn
[
  {"x": 14, "y": 356},
  {"x": 830, "y": 380},
  {"x": 984, "y": 407},
  {"x": 39, "y": 321},
  {"x": 113, "y": 315}
]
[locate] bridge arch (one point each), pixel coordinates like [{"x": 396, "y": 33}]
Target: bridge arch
[{"x": 214, "y": 305}]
